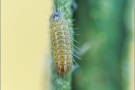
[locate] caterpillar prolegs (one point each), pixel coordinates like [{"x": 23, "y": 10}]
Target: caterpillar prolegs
[{"x": 61, "y": 43}]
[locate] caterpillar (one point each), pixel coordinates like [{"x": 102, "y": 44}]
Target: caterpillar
[{"x": 61, "y": 43}]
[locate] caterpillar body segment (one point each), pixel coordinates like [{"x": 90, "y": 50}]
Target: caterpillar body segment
[{"x": 61, "y": 43}]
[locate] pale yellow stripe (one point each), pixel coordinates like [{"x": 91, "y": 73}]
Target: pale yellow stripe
[
  {"x": 25, "y": 44},
  {"x": 131, "y": 80}
]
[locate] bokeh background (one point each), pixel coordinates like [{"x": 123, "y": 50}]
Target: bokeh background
[
  {"x": 25, "y": 44},
  {"x": 106, "y": 28},
  {"x": 106, "y": 43}
]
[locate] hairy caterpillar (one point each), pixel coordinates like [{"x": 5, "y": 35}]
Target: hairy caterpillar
[{"x": 61, "y": 43}]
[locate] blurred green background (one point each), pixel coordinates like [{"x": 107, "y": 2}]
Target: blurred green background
[
  {"x": 105, "y": 28},
  {"x": 106, "y": 44}
]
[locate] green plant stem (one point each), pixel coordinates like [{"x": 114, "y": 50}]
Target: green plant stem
[{"x": 62, "y": 82}]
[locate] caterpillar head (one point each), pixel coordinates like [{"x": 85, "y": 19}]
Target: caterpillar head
[{"x": 56, "y": 16}]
